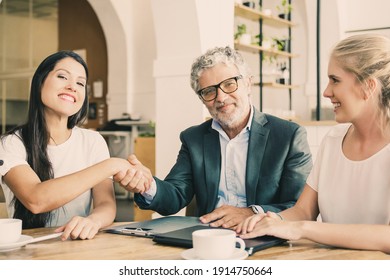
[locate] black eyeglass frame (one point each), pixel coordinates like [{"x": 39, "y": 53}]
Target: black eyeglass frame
[{"x": 217, "y": 86}]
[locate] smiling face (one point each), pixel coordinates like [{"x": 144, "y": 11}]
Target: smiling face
[
  {"x": 345, "y": 93},
  {"x": 63, "y": 91},
  {"x": 230, "y": 110}
]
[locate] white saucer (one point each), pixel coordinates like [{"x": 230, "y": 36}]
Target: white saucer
[
  {"x": 23, "y": 240},
  {"x": 237, "y": 255}
]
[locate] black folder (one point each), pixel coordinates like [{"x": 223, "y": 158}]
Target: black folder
[
  {"x": 183, "y": 238},
  {"x": 177, "y": 231}
]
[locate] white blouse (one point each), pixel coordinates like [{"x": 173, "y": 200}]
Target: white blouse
[
  {"x": 351, "y": 191},
  {"x": 83, "y": 149}
]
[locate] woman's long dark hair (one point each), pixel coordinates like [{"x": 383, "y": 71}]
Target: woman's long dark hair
[{"x": 35, "y": 135}]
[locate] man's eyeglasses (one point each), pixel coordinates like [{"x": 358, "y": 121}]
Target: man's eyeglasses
[{"x": 227, "y": 86}]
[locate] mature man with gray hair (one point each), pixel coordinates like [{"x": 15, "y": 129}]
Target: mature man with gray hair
[{"x": 236, "y": 164}]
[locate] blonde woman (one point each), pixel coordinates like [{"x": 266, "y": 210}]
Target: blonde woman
[{"x": 350, "y": 182}]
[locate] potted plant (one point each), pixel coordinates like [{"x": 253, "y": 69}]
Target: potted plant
[
  {"x": 263, "y": 41},
  {"x": 281, "y": 44},
  {"x": 284, "y": 9},
  {"x": 242, "y": 35},
  {"x": 266, "y": 44}
]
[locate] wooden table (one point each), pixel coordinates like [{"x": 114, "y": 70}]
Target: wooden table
[{"x": 107, "y": 246}]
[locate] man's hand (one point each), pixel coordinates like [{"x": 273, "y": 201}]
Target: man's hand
[
  {"x": 137, "y": 179},
  {"x": 227, "y": 216}
]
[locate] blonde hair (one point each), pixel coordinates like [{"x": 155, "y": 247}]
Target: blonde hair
[{"x": 367, "y": 56}]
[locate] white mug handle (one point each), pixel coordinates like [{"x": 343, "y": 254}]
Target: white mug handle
[{"x": 241, "y": 242}]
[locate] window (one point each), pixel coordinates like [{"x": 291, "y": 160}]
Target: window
[{"x": 28, "y": 33}]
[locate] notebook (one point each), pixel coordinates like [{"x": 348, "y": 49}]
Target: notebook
[
  {"x": 177, "y": 231},
  {"x": 183, "y": 238}
]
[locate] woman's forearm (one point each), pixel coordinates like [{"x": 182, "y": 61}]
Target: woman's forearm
[
  {"x": 45, "y": 196},
  {"x": 306, "y": 207},
  {"x": 354, "y": 236},
  {"x": 104, "y": 214},
  {"x": 104, "y": 209}
]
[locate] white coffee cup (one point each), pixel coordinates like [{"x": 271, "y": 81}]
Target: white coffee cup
[
  {"x": 10, "y": 230},
  {"x": 215, "y": 244}
]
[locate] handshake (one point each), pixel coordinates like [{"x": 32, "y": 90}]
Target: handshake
[{"x": 132, "y": 175}]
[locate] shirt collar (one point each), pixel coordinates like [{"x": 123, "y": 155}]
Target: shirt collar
[{"x": 216, "y": 126}]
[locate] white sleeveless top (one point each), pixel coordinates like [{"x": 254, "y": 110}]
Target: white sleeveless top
[{"x": 351, "y": 191}]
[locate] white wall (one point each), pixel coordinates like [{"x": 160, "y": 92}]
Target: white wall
[
  {"x": 331, "y": 32},
  {"x": 152, "y": 43},
  {"x": 131, "y": 45},
  {"x": 363, "y": 14},
  {"x": 342, "y": 18},
  {"x": 184, "y": 30}
]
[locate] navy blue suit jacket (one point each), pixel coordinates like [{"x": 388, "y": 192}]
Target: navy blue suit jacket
[{"x": 278, "y": 164}]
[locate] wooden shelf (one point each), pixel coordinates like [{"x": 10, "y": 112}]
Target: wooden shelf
[
  {"x": 317, "y": 123},
  {"x": 257, "y": 49},
  {"x": 277, "y": 85},
  {"x": 255, "y": 15},
  {"x": 273, "y": 21}
]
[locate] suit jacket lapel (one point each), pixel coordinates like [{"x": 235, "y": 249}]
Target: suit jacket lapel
[
  {"x": 212, "y": 156},
  {"x": 257, "y": 142}
]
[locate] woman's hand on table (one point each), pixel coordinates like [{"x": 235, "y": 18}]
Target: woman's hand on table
[
  {"x": 79, "y": 228},
  {"x": 269, "y": 224}
]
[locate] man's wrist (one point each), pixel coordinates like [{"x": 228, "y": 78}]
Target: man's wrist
[
  {"x": 256, "y": 209},
  {"x": 150, "y": 193},
  {"x": 280, "y": 216}
]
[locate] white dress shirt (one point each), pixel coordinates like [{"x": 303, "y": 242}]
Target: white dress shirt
[{"x": 233, "y": 168}]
